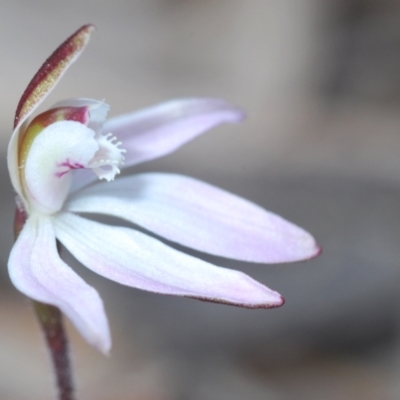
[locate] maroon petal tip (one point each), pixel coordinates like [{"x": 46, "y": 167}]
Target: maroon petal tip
[{"x": 51, "y": 70}]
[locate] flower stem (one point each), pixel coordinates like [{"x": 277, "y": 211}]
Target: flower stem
[{"x": 50, "y": 319}]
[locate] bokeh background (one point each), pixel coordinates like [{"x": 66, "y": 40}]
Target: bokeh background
[{"x": 320, "y": 82}]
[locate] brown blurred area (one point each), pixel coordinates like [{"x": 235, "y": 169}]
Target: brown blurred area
[{"x": 320, "y": 83}]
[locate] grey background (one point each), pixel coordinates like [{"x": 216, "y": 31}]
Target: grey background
[{"x": 319, "y": 81}]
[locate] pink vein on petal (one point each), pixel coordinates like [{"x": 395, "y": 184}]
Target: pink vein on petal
[{"x": 69, "y": 166}]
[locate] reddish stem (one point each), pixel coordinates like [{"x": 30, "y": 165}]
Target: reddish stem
[{"x": 50, "y": 319}]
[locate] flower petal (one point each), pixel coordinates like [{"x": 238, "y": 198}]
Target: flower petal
[
  {"x": 36, "y": 270},
  {"x": 39, "y": 87},
  {"x": 134, "y": 259},
  {"x": 98, "y": 111},
  {"x": 51, "y": 71},
  {"x": 160, "y": 130},
  {"x": 58, "y": 149},
  {"x": 198, "y": 215}
]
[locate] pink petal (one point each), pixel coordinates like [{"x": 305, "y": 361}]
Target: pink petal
[
  {"x": 36, "y": 270},
  {"x": 134, "y": 259},
  {"x": 157, "y": 131},
  {"x": 200, "y": 216}
]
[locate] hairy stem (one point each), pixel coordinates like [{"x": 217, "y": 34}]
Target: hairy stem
[{"x": 50, "y": 319}]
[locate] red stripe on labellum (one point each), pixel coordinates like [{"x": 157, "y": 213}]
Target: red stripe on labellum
[
  {"x": 51, "y": 70},
  {"x": 78, "y": 114}
]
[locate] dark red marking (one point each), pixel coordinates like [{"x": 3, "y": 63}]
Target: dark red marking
[
  {"x": 67, "y": 48},
  {"x": 69, "y": 165}
]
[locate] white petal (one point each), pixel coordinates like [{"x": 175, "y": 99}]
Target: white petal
[
  {"x": 157, "y": 131},
  {"x": 36, "y": 270},
  {"x": 59, "y": 148},
  {"x": 134, "y": 259},
  {"x": 200, "y": 216}
]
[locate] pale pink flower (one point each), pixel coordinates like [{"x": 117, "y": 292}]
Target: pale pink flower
[{"x": 54, "y": 160}]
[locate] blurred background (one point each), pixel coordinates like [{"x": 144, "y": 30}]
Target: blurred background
[{"x": 321, "y": 86}]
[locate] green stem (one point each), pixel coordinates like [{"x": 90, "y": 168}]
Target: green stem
[{"x": 50, "y": 319}]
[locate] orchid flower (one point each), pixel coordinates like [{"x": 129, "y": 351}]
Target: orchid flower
[{"x": 56, "y": 161}]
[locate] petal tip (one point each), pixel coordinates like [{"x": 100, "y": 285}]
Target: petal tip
[
  {"x": 240, "y": 115},
  {"x": 228, "y": 112},
  {"x": 316, "y": 251},
  {"x": 269, "y": 305},
  {"x": 265, "y": 305},
  {"x": 51, "y": 71},
  {"x": 103, "y": 345},
  {"x": 306, "y": 250},
  {"x": 106, "y": 351},
  {"x": 236, "y": 114},
  {"x": 89, "y": 28}
]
